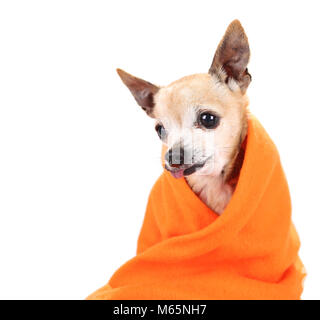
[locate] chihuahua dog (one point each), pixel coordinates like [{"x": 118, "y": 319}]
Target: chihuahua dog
[{"x": 202, "y": 119}]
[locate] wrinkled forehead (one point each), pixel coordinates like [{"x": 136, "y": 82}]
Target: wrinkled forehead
[{"x": 181, "y": 99}]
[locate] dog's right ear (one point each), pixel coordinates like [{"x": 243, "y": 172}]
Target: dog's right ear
[
  {"x": 142, "y": 91},
  {"x": 232, "y": 57}
]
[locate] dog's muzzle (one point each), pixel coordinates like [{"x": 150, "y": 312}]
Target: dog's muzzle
[{"x": 179, "y": 163}]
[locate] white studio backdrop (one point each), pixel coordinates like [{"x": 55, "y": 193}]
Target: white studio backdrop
[{"x": 78, "y": 157}]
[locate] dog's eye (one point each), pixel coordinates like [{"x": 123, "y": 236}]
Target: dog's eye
[
  {"x": 209, "y": 120},
  {"x": 161, "y": 131}
]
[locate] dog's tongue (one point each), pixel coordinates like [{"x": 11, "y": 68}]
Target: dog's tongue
[{"x": 178, "y": 174}]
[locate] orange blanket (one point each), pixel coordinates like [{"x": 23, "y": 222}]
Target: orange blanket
[{"x": 186, "y": 251}]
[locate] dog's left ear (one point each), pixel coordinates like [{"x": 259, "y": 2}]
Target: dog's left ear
[
  {"x": 142, "y": 91},
  {"x": 232, "y": 57}
]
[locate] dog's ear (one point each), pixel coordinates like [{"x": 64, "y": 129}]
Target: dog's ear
[
  {"x": 141, "y": 90},
  {"x": 232, "y": 56}
]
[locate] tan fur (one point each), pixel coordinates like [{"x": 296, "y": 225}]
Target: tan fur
[
  {"x": 215, "y": 157},
  {"x": 205, "y": 90}
]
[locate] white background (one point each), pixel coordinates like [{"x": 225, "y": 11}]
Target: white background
[{"x": 78, "y": 156}]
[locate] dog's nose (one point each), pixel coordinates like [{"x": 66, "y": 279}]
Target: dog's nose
[{"x": 175, "y": 157}]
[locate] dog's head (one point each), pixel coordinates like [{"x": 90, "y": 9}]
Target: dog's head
[{"x": 201, "y": 118}]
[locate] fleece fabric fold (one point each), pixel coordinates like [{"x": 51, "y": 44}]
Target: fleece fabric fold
[{"x": 187, "y": 251}]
